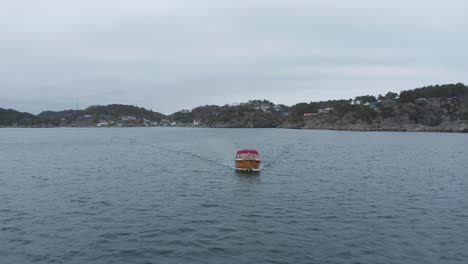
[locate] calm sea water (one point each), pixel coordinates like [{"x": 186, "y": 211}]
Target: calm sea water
[{"x": 170, "y": 195}]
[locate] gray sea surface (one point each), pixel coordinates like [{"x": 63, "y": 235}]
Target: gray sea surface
[{"x": 171, "y": 195}]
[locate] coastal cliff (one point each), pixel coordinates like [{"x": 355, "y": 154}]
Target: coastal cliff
[
  {"x": 434, "y": 114},
  {"x": 439, "y": 108}
]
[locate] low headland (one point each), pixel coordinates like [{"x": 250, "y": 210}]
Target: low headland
[{"x": 437, "y": 108}]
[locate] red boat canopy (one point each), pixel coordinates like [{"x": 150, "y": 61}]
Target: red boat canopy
[{"x": 247, "y": 151}]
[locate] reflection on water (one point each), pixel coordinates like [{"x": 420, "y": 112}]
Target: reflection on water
[
  {"x": 248, "y": 177},
  {"x": 172, "y": 195}
]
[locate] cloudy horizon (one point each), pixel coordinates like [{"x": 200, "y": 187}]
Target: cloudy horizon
[{"x": 175, "y": 55}]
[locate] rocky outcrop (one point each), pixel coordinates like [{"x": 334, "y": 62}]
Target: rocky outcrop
[
  {"x": 441, "y": 108},
  {"x": 435, "y": 115}
]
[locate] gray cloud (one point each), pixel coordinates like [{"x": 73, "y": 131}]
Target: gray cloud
[{"x": 169, "y": 55}]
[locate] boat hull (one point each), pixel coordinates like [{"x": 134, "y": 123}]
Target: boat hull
[{"x": 248, "y": 165}]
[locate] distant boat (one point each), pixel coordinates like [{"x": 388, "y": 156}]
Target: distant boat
[{"x": 247, "y": 160}]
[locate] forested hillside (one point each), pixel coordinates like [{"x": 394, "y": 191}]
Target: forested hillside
[{"x": 430, "y": 108}]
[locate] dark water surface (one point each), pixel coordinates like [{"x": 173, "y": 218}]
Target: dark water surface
[{"x": 170, "y": 195}]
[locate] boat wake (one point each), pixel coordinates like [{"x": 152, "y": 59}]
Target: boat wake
[
  {"x": 224, "y": 163},
  {"x": 181, "y": 152}
]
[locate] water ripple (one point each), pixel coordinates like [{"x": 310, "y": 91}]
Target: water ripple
[{"x": 172, "y": 196}]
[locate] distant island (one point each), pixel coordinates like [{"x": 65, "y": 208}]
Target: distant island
[{"x": 440, "y": 108}]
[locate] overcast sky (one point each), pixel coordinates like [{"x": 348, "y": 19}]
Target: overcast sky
[{"x": 172, "y": 55}]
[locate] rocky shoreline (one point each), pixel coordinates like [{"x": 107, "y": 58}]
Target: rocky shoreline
[
  {"x": 458, "y": 127},
  {"x": 406, "y": 128},
  {"x": 436, "y": 108}
]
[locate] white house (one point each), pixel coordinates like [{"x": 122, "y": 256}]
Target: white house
[
  {"x": 127, "y": 118},
  {"x": 325, "y": 110},
  {"x": 102, "y": 124}
]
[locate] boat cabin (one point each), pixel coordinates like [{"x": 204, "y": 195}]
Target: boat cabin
[
  {"x": 246, "y": 155},
  {"x": 248, "y": 160}
]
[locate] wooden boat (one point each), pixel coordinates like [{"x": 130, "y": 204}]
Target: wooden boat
[{"x": 247, "y": 160}]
